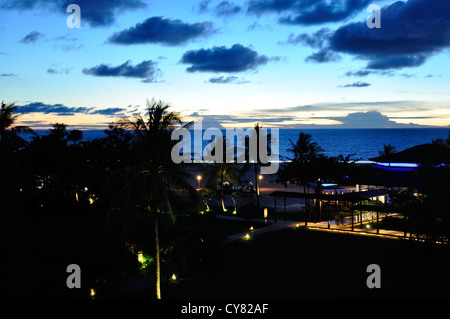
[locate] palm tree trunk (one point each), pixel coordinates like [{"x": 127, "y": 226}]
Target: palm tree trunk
[
  {"x": 158, "y": 264},
  {"x": 257, "y": 185},
  {"x": 221, "y": 193},
  {"x": 306, "y": 205}
]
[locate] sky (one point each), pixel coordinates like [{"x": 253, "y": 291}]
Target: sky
[{"x": 282, "y": 63}]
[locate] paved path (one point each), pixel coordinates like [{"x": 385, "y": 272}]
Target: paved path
[{"x": 281, "y": 224}]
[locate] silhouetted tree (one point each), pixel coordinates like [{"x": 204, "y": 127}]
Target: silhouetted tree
[
  {"x": 388, "y": 150},
  {"x": 152, "y": 179}
]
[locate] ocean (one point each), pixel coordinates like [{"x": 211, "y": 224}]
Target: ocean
[{"x": 363, "y": 143}]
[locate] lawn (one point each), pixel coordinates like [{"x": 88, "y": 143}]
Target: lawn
[
  {"x": 300, "y": 263},
  {"x": 216, "y": 225}
]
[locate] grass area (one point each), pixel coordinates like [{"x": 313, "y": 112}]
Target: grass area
[
  {"x": 217, "y": 226},
  {"x": 300, "y": 263}
]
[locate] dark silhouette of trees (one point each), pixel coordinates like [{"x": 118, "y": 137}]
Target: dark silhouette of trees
[
  {"x": 388, "y": 151},
  {"x": 151, "y": 181},
  {"x": 10, "y": 144}
]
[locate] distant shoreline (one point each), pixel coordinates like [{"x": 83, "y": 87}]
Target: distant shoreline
[{"x": 363, "y": 143}]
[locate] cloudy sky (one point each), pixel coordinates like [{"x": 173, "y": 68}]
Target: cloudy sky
[{"x": 285, "y": 63}]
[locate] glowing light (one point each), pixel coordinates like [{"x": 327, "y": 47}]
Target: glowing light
[
  {"x": 141, "y": 257},
  {"x": 174, "y": 277},
  {"x": 260, "y": 177},
  {"x": 92, "y": 293},
  {"x": 412, "y": 165},
  {"x": 251, "y": 228},
  {"x": 247, "y": 236},
  {"x": 266, "y": 212}
]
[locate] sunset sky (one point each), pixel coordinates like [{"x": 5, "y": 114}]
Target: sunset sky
[{"x": 285, "y": 63}]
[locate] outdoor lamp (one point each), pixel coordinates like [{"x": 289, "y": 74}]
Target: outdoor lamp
[{"x": 199, "y": 177}]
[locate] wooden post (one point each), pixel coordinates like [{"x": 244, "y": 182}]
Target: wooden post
[
  {"x": 352, "y": 216},
  {"x": 328, "y": 213},
  {"x": 378, "y": 228}
]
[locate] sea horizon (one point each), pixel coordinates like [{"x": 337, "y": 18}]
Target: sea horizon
[{"x": 363, "y": 143}]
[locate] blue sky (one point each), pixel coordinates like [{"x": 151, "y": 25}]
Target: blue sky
[{"x": 285, "y": 63}]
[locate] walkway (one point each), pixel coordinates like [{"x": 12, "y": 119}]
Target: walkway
[{"x": 323, "y": 226}]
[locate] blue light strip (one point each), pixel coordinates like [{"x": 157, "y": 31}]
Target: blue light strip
[{"x": 408, "y": 165}]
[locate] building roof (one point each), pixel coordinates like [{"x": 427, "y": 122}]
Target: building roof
[{"x": 350, "y": 197}]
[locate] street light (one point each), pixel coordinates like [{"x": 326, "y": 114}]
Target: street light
[
  {"x": 199, "y": 179},
  {"x": 260, "y": 177}
]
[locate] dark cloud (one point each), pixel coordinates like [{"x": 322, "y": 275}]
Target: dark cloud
[
  {"x": 159, "y": 30},
  {"x": 146, "y": 70},
  {"x": 62, "y": 110},
  {"x": 58, "y": 109},
  {"x": 410, "y": 33},
  {"x": 31, "y": 37},
  {"x": 226, "y": 80},
  {"x": 323, "y": 56},
  {"x": 227, "y": 8},
  {"x": 366, "y": 72},
  {"x": 317, "y": 40},
  {"x": 360, "y": 73},
  {"x": 221, "y": 59},
  {"x": 8, "y": 74},
  {"x": 396, "y": 61},
  {"x": 308, "y": 12},
  {"x": 111, "y": 111},
  {"x": 359, "y": 84},
  {"x": 96, "y": 13},
  {"x": 203, "y": 6}
]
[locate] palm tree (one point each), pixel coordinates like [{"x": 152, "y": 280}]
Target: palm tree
[
  {"x": 388, "y": 150},
  {"x": 220, "y": 171},
  {"x": 152, "y": 179},
  {"x": 304, "y": 149},
  {"x": 303, "y": 167},
  {"x": 256, "y": 134},
  {"x": 8, "y": 132}
]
